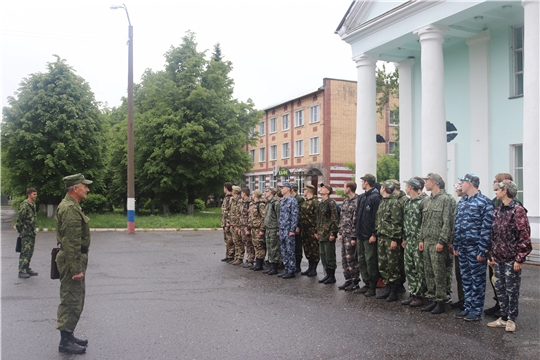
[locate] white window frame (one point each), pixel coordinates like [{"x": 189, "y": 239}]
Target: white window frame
[
  {"x": 252, "y": 183},
  {"x": 299, "y": 148},
  {"x": 252, "y": 154},
  {"x": 262, "y": 182},
  {"x": 393, "y": 117},
  {"x": 273, "y": 181},
  {"x": 273, "y": 152},
  {"x": 391, "y": 147},
  {"x": 262, "y": 154},
  {"x": 300, "y": 182},
  {"x": 517, "y": 62},
  {"x": 286, "y": 150},
  {"x": 262, "y": 127},
  {"x": 273, "y": 125},
  {"x": 516, "y": 168},
  {"x": 314, "y": 145},
  {"x": 285, "y": 121},
  {"x": 299, "y": 118},
  {"x": 314, "y": 114}
]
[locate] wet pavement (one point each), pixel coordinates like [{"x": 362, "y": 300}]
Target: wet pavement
[{"x": 164, "y": 295}]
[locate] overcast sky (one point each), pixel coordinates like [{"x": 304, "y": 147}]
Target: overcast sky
[{"x": 278, "y": 48}]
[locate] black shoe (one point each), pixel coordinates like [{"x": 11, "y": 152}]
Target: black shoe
[
  {"x": 282, "y": 274},
  {"x": 393, "y": 296},
  {"x": 364, "y": 289},
  {"x": 492, "y": 310},
  {"x": 439, "y": 309},
  {"x": 273, "y": 269},
  {"x": 31, "y": 272},
  {"x": 408, "y": 301},
  {"x": 225, "y": 259},
  {"x": 68, "y": 345},
  {"x": 288, "y": 276},
  {"x": 324, "y": 278},
  {"x": 306, "y": 273},
  {"x": 457, "y": 305},
  {"x": 370, "y": 292},
  {"x": 24, "y": 275},
  {"x": 258, "y": 265},
  {"x": 400, "y": 289},
  {"x": 313, "y": 271},
  {"x": 353, "y": 286},
  {"x": 281, "y": 266},
  {"x": 345, "y": 284},
  {"x": 498, "y": 314},
  {"x": 79, "y": 341},
  {"x": 429, "y": 307},
  {"x": 384, "y": 293},
  {"x": 229, "y": 260}
]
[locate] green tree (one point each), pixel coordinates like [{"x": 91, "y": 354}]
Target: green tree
[{"x": 51, "y": 128}]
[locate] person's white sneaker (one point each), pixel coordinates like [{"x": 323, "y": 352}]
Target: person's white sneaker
[
  {"x": 499, "y": 323},
  {"x": 510, "y": 326}
]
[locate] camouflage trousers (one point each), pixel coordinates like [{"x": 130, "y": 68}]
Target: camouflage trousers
[
  {"x": 238, "y": 241},
  {"x": 248, "y": 244},
  {"x": 473, "y": 278},
  {"x": 388, "y": 261},
  {"x": 229, "y": 243},
  {"x": 272, "y": 246},
  {"x": 311, "y": 246},
  {"x": 328, "y": 254},
  {"x": 368, "y": 262},
  {"x": 436, "y": 271},
  {"x": 259, "y": 243},
  {"x": 414, "y": 269},
  {"x": 349, "y": 260},
  {"x": 71, "y": 294},
  {"x": 287, "y": 251},
  {"x": 27, "y": 251},
  {"x": 507, "y": 283}
]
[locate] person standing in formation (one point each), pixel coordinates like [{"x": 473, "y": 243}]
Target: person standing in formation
[
  {"x": 245, "y": 231},
  {"x": 347, "y": 236},
  {"x": 288, "y": 220},
  {"x": 327, "y": 228},
  {"x": 271, "y": 223},
  {"x": 226, "y": 224},
  {"x": 234, "y": 219},
  {"x": 308, "y": 228},
  {"x": 297, "y": 235},
  {"x": 256, "y": 224}
]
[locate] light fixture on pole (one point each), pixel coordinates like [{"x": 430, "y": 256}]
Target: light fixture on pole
[{"x": 130, "y": 133}]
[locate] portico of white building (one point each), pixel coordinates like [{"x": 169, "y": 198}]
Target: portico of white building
[{"x": 468, "y": 85}]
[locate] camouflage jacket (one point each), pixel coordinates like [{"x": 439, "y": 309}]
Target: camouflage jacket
[
  {"x": 412, "y": 218},
  {"x": 389, "y": 220},
  {"x": 271, "y": 215},
  {"x": 347, "y": 221},
  {"x": 327, "y": 221},
  {"x": 27, "y": 219},
  {"x": 256, "y": 214},
  {"x": 72, "y": 233},
  {"x": 225, "y": 209},
  {"x": 288, "y": 214},
  {"x": 300, "y": 200},
  {"x": 244, "y": 212},
  {"x": 402, "y": 197},
  {"x": 511, "y": 233},
  {"x": 235, "y": 211},
  {"x": 309, "y": 211},
  {"x": 473, "y": 226},
  {"x": 438, "y": 218}
]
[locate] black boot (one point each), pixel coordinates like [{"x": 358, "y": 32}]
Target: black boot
[
  {"x": 298, "y": 263},
  {"x": 325, "y": 277},
  {"x": 273, "y": 269},
  {"x": 345, "y": 284},
  {"x": 79, "y": 341},
  {"x": 331, "y": 278},
  {"x": 384, "y": 293},
  {"x": 258, "y": 265},
  {"x": 393, "y": 293},
  {"x": 313, "y": 271},
  {"x": 439, "y": 309},
  {"x": 68, "y": 344},
  {"x": 310, "y": 265}
]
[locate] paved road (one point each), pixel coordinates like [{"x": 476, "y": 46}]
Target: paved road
[{"x": 167, "y": 296}]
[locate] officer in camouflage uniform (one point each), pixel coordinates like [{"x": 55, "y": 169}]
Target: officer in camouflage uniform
[
  {"x": 402, "y": 197},
  {"x": 271, "y": 223},
  {"x": 309, "y": 212},
  {"x": 234, "y": 219},
  {"x": 414, "y": 262},
  {"x": 347, "y": 236},
  {"x": 225, "y": 222},
  {"x": 288, "y": 221},
  {"x": 389, "y": 229},
  {"x": 436, "y": 233},
  {"x": 327, "y": 229},
  {"x": 256, "y": 224},
  {"x": 298, "y": 236},
  {"x": 26, "y": 227},
  {"x": 245, "y": 230},
  {"x": 73, "y": 235}
]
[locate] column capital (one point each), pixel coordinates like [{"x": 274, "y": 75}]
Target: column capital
[
  {"x": 431, "y": 32},
  {"x": 481, "y": 38},
  {"x": 365, "y": 60},
  {"x": 405, "y": 63},
  {"x": 528, "y": 2}
]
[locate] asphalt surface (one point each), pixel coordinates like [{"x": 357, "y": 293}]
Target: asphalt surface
[{"x": 168, "y": 296}]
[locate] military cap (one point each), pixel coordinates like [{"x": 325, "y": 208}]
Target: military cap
[
  {"x": 436, "y": 178},
  {"x": 414, "y": 183},
  {"x": 369, "y": 178},
  {"x": 72, "y": 180},
  {"x": 271, "y": 189},
  {"x": 389, "y": 185},
  {"x": 257, "y": 192},
  {"x": 472, "y": 178},
  {"x": 286, "y": 184},
  {"x": 310, "y": 187},
  {"x": 295, "y": 186},
  {"x": 328, "y": 187},
  {"x": 397, "y": 185},
  {"x": 510, "y": 187},
  {"x": 236, "y": 189}
]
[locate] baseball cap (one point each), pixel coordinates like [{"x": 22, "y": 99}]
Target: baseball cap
[
  {"x": 472, "y": 178},
  {"x": 414, "y": 183},
  {"x": 328, "y": 187}
]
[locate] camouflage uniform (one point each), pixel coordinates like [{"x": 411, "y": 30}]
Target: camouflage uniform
[
  {"x": 389, "y": 227},
  {"x": 402, "y": 197},
  {"x": 245, "y": 228},
  {"x": 437, "y": 228},
  {"x": 413, "y": 258},
  {"x": 234, "y": 219},
  {"x": 256, "y": 223},
  {"x": 327, "y": 225},
  {"x": 227, "y": 231},
  {"x": 347, "y": 230},
  {"x": 288, "y": 219},
  {"x": 73, "y": 235},
  {"x": 26, "y": 227},
  {"x": 271, "y": 219},
  {"x": 298, "y": 237},
  {"x": 308, "y": 228}
]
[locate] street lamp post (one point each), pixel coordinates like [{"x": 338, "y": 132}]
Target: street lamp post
[{"x": 130, "y": 136}]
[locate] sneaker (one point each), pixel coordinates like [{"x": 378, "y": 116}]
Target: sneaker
[
  {"x": 462, "y": 314},
  {"x": 24, "y": 275},
  {"x": 510, "y": 326},
  {"x": 472, "y": 317},
  {"x": 499, "y": 323},
  {"x": 417, "y": 302}
]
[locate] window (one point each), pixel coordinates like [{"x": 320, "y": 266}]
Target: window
[
  {"x": 285, "y": 122},
  {"x": 262, "y": 126},
  {"x": 273, "y": 152},
  {"x": 262, "y": 182},
  {"x": 391, "y": 147},
  {"x": 300, "y": 183},
  {"x": 262, "y": 154},
  {"x": 516, "y": 164},
  {"x": 273, "y": 125},
  {"x": 252, "y": 183},
  {"x": 285, "y": 150},
  {"x": 273, "y": 181},
  {"x": 252, "y": 154},
  {"x": 299, "y": 148},
  {"x": 298, "y": 118},
  {"x": 314, "y": 114},
  {"x": 314, "y": 146},
  {"x": 393, "y": 117},
  {"x": 517, "y": 51}
]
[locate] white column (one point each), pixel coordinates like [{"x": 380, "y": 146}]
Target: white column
[
  {"x": 366, "y": 131},
  {"x": 531, "y": 117},
  {"x": 405, "y": 119},
  {"x": 434, "y": 155},
  {"x": 479, "y": 98}
]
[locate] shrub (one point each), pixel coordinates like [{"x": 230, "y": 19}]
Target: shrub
[
  {"x": 16, "y": 202},
  {"x": 94, "y": 203},
  {"x": 199, "y": 205}
]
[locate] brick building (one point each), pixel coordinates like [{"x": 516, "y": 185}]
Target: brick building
[{"x": 311, "y": 138}]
